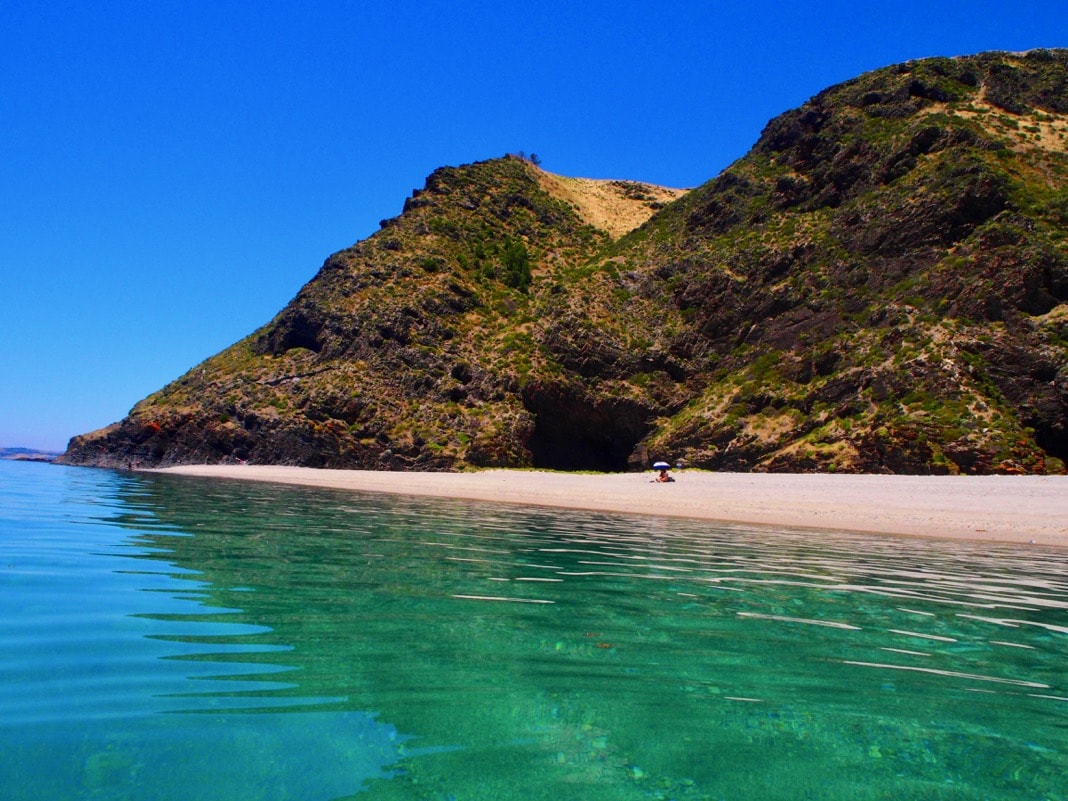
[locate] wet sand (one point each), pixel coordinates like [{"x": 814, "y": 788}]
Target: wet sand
[{"x": 1024, "y": 509}]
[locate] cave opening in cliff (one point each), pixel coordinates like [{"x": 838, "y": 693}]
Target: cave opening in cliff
[
  {"x": 1052, "y": 438},
  {"x": 571, "y": 433}
]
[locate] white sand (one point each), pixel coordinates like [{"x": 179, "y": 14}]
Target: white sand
[{"x": 1026, "y": 509}]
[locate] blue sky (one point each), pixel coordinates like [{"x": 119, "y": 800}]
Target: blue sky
[{"x": 173, "y": 172}]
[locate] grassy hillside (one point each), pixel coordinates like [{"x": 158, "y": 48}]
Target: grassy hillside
[{"x": 878, "y": 286}]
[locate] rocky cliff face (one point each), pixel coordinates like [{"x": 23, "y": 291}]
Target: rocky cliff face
[{"x": 880, "y": 285}]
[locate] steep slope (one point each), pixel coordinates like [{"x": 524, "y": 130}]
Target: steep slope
[
  {"x": 407, "y": 350},
  {"x": 879, "y": 285}
]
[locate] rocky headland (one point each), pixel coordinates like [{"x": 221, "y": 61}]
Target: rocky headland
[{"x": 879, "y": 286}]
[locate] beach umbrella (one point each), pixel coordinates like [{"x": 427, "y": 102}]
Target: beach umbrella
[{"x": 661, "y": 466}]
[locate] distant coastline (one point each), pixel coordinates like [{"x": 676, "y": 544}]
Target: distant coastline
[{"x": 28, "y": 455}]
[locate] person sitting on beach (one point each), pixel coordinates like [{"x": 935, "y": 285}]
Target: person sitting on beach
[{"x": 663, "y": 476}]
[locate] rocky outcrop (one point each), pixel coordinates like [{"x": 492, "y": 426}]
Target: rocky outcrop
[{"x": 880, "y": 285}]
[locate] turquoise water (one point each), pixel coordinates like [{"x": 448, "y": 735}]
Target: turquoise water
[{"x": 173, "y": 638}]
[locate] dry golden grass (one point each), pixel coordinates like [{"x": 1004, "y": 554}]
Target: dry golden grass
[
  {"x": 616, "y": 207},
  {"x": 1045, "y": 129}
]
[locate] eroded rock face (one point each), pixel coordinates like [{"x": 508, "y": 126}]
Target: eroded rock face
[{"x": 880, "y": 285}]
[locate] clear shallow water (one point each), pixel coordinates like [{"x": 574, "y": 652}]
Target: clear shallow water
[{"x": 165, "y": 637}]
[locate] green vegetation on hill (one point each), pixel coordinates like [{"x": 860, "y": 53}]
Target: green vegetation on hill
[{"x": 880, "y": 285}]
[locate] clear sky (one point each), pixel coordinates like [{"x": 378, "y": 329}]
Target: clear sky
[{"x": 171, "y": 173}]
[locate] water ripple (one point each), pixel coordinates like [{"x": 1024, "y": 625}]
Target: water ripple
[{"x": 639, "y": 657}]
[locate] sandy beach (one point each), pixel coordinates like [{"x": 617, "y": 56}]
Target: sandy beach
[{"x": 1023, "y": 509}]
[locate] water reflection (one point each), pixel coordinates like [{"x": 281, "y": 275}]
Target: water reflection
[
  {"x": 269, "y": 642},
  {"x": 623, "y": 657},
  {"x": 120, "y": 679}
]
